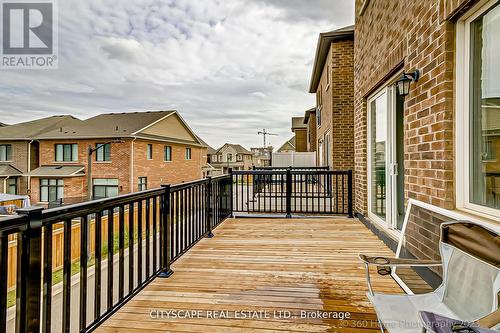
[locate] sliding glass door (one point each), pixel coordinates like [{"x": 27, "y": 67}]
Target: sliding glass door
[{"x": 386, "y": 157}]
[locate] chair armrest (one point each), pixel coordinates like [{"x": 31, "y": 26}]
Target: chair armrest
[
  {"x": 397, "y": 262},
  {"x": 490, "y": 320}
]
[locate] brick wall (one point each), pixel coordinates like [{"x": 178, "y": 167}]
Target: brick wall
[
  {"x": 311, "y": 133},
  {"x": 337, "y": 105},
  {"x": 342, "y": 90},
  {"x": 300, "y": 140},
  {"x": 397, "y": 35},
  {"x": 326, "y": 108},
  {"x": 156, "y": 170},
  {"x": 19, "y": 160}
]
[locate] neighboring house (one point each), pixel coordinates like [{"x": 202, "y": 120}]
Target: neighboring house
[
  {"x": 19, "y": 152},
  {"x": 232, "y": 156},
  {"x": 262, "y": 156},
  {"x": 310, "y": 122},
  {"x": 332, "y": 82},
  {"x": 288, "y": 146},
  {"x": 299, "y": 128},
  {"x": 135, "y": 151},
  {"x": 208, "y": 169},
  {"x": 440, "y": 143}
]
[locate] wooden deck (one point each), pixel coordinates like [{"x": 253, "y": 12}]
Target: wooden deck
[{"x": 259, "y": 267}]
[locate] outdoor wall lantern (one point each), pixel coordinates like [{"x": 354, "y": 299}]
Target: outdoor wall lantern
[{"x": 403, "y": 83}]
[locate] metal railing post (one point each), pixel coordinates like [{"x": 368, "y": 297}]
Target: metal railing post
[
  {"x": 29, "y": 277},
  {"x": 349, "y": 194},
  {"x": 289, "y": 192},
  {"x": 208, "y": 212},
  {"x": 166, "y": 222},
  {"x": 231, "y": 192}
]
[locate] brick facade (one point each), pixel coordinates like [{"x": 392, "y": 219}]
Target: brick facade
[
  {"x": 335, "y": 93},
  {"x": 395, "y": 36},
  {"x": 20, "y": 161},
  {"x": 157, "y": 170},
  {"x": 300, "y": 139},
  {"x": 312, "y": 138}
]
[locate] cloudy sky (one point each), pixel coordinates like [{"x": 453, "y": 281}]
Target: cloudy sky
[{"x": 230, "y": 67}]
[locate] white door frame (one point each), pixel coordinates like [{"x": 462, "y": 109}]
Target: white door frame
[{"x": 391, "y": 197}]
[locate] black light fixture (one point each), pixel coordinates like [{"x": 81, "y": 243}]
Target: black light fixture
[{"x": 403, "y": 83}]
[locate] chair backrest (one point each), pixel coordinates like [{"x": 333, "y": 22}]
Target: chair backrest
[{"x": 471, "y": 267}]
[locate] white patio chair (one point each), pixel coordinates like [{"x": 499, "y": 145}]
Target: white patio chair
[{"x": 470, "y": 255}]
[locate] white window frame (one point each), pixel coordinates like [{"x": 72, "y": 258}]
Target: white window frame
[{"x": 462, "y": 135}]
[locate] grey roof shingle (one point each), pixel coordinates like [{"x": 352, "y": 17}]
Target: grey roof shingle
[
  {"x": 108, "y": 125},
  {"x": 29, "y": 129},
  {"x": 58, "y": 171},
  {"x": 239, "y": 148},
  {"x": 298, "y": 122},
  {"x": 9, "y": 170}
]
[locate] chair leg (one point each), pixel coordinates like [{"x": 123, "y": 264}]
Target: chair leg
[{"x": 381, "y": 326}]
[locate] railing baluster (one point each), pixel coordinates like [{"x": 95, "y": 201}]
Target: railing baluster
[
  {"x": 66, "y": 320},
  {"x": 110, "y": 257},
  {"x": 84, "y": 226},
  {"x": 131, "y": 247},
  {"x": 166, "y": 221},
  {"x": 155, "y": 235},
  {"x": 47, "y": 280},
  {"x": 121, "y": 251},
  {"x": 4, "y": 259},
  {"x": 147, "y": 238},
  {"x": 98, "y": 265},
  {"x": 139, "y": 243}
]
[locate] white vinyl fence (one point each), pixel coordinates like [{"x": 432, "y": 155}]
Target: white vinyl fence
[{"x": 294, "y": 159}]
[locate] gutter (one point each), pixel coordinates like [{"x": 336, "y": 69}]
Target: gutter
[
  {"x": 29, "y": 167},
  {"x": 131, "y": 189}
]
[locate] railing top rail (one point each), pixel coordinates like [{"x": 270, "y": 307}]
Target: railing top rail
[
  {"x": 180, "y": 186},
  {"x": 321, "y": 172},
  {"x": 13, "y": 224},
  {"x": 259, "y": 172},
  {"x": 292, "y": 168},
  {"x": 77, "y": 210},
  {"x": 221, "y": 177}
]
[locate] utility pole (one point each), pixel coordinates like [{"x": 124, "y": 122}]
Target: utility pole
[{"x": 265, "y": 133}]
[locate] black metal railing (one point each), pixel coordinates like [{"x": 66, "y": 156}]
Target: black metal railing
[
  {"x": 101, "y": 253},
  {"x": 110, "y": 250},
  {"x": 291, "y": 168},
  {"x": 293, "y": 191}
]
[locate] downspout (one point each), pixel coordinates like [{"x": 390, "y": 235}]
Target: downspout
[
  {"x": 5, "y": 184},
  {"x": 131, "y": 189},
  {"x": 29, "y": 167}
]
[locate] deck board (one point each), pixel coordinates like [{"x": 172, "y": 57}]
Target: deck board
[{"x": 295, "y": 265}]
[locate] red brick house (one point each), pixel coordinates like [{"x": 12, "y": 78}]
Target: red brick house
[
  {"x": 440, "y": 143},
  {"x": 19, "y": 152},
  {"x": 332, "y": 82},
  {"x": 131, "y": 152}
]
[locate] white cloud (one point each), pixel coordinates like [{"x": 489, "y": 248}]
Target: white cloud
[{"x": 230, "y": 67}]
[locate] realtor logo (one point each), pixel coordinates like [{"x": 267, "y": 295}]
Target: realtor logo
[{"x": 28, "y": 35}]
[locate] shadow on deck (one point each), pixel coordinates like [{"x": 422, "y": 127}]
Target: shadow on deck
[{"x": 279, "y": 272}]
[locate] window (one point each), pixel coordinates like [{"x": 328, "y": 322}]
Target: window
[
  {"x": 67, "y": 152},
  {"x": 478, "y": 109},
  {"x": 12, "y": 186},
  {"x": 143, "y": 183},
  {"x": 319, "y": 105},
  {"x": 105, "y": 188},
  {"x": 188, "y": 153},
  {"x": 149, "y": 151},
  {"x": 239, "y": 157},
  {"x": 327, "y": 77},
  {"x": 229, "y": 157},
  {"x": 168, "y": 153},
  {"x": 103, "y": 153},
  {"x": 51, "y": 190},
  {"x": 5, "y": 152}
]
